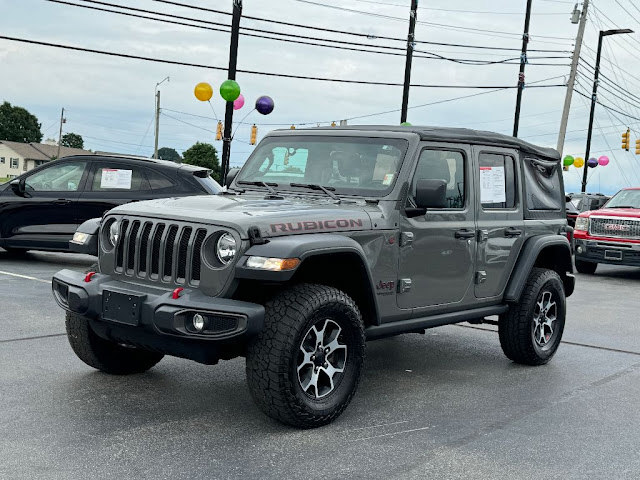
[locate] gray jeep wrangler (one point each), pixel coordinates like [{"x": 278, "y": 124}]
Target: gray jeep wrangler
[{"x": 325, "y": 239}]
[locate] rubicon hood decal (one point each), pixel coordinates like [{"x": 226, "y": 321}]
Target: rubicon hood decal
[{"x": 341, "y": 223}]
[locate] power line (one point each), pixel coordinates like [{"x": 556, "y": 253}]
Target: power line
[
  {"x": 608, "y": 107},
  {"x": 479, "y": 31},
  {"x": 398, "y": 51},
  {"x": 374, "y": 2},
  {"x": 351, "y": 33},
  {"x": 359, "y": 117},
  {"x": 254, "y": 72}
]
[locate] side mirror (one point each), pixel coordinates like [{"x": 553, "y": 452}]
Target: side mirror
[
  {"x": 18, "y": 187},
  {"x": 431, "y": 194},
  {"x": 231, "y": 174}
]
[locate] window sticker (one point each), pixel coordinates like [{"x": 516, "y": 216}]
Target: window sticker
[
  {"x": 492, "y": 185},
  {"x": 115, "y": 178},
  {"x": 388, "y": 178}
]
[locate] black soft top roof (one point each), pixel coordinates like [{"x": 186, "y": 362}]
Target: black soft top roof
[{"x": 463, "y": 135}]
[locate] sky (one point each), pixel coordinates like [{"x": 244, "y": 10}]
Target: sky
[{"x": 110, "y": 101}]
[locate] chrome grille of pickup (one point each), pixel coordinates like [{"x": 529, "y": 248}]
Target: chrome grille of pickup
[
  {"x": 160, "y": 251},
  {"x": 615, "y": 227}
]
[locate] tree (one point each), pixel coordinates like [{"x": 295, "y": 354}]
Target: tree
[
  {"x": 203, "y": 155},
  {"x": 72, "y": 140},
  {"x": 18, "y": 125},
  {"x": 166, "y": 153}
]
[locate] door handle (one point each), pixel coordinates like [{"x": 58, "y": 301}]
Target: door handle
[
  {"x": 62, "y": 201},
  {"x": 512, "y": 232},
  {"x": 464, "y": 233}
]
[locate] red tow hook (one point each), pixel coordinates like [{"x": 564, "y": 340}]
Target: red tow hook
[
  {"x": 176, "y": 293},
  {"x": 89, "y": 276}
]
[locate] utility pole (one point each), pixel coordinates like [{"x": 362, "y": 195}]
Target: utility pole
[
  {"x": 572, "y": 78},
  {"x": 62, "y": 120},
  {"x": 594, "y": 98},
  {"x": 228, "y": 114},
  {"x": 411, "y": 43},
  {"x": 155, "y": 150},
  {"x": 523, "y": 62}
]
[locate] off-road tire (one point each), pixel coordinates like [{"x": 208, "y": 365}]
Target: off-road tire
[
  {"x": 586, "y": 267},
  {"x": 516, "y": 327},
  {"x": 272, "y": 356},
  {"x": 104, "y": 355}
]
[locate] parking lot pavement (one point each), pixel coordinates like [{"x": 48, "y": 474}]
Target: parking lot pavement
[{"x": 446, "y": 404}]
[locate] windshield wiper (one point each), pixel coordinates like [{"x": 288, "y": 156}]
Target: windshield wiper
[
  {"x": 623, "y": 206},
  {"x": 315, "y": 186},
  {"x": 273, "y": 193}
]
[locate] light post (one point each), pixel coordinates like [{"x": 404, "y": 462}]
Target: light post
[{"x": 594, "y": 97}]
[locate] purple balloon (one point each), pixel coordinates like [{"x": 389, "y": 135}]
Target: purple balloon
[
  {"x": 265, "y": 105},
  {"x": 603, "y": 160},
  {"x": 592, "y": 162}
]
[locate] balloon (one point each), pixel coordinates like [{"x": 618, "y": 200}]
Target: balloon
[
  {"x": 203, "y": 92},
  {"x": 568, "y": 160},
  {"x": 229, "y": 90},
  {"x": 578, "y": 162},
  {"x": 592, "y": 162},
  {"x": 603, "y": 160},
  {"x": 405, "y": 124},
  {"x": 265, "y": 105},
  {"x": 238, "y": 103}
]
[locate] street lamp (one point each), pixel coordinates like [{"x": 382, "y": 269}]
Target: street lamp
[{"x": 594, "y": 97}]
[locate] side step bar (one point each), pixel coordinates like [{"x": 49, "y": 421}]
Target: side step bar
[{"x": 416, "y": 324}]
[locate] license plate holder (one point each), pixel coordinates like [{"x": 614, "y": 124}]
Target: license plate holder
[
  {"x": 121, "y": 307},
  {"x": 613, "y": 255}
]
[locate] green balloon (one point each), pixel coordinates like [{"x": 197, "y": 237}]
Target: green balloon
[
  {"x": 229, "y": 90},
  {"x": 568, "y": 160},
  {"x": 405, "y": 124}
]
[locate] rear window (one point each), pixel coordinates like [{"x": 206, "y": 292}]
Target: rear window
[
  {"x": 158, "y": 181},
  {"x": 111, "y": 178},
  {"x": 544, "y": 187}
]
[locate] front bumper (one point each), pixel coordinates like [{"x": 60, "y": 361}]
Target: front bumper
[
  {"x": 612, "y": 252},
  {"x": 151, "y": 318}
]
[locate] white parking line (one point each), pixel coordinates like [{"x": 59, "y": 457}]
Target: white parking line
[{"x": 24, "y": 276}]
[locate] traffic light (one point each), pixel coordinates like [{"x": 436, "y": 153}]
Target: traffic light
[
  {"x": 333, "y": 124},
  {"x": 625, "y": 140},
  {"x": 254, "y": 134},
  {"x": 638, "y": 147},
  {"x": 219, "y": 131},
  {"x": 292, "y": 127}
]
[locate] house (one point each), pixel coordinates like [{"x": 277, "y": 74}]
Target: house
[{"x": 17, "y": 158}]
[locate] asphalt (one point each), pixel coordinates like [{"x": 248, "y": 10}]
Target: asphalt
[{"x": 446, "y": 404}]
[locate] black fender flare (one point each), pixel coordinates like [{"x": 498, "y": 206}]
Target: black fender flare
[
  {"x": 90, "y": 246},
  {"x": 302, "y": 247},
  {"x": 529, "y": 254}
]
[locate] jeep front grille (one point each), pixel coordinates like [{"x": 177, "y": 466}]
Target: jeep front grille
[
  {"x": 615, "y": 227},
  {"x": 160, "y": 252}
]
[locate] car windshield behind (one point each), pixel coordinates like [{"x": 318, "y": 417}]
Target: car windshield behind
[
  {"x": 625, "y": 199},
  {"x": 350, "y": 166}
]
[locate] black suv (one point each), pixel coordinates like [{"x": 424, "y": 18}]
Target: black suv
[
  {"x": 583, "y": 202},
  {"x": 42, "y": 209}
]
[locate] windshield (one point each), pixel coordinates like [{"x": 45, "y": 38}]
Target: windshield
[
  {"x": 350, "y": 166},
  {"x": 625, "y": 198}
]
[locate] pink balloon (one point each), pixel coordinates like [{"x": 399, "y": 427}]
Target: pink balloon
[
  {"x": 603, "y": 160},
  {"x": 238, "y": 103}
]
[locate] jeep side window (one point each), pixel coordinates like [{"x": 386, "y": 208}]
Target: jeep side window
[
  {"x": 442, "y": 165},
  {"x": 503, "y": 166}
]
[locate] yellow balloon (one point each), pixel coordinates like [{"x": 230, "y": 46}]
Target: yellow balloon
[
  {"x": 578, "y": 162},
  {"x": 203, "y": 92}
]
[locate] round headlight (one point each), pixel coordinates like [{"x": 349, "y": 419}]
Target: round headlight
[
  {"x": 114, "y": 233},
  {"x": 226, "y": 248}
]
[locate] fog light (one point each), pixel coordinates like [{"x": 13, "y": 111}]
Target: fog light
[
  {"x": 579, "y": 249},
  {"x": 198, "y": 322}
]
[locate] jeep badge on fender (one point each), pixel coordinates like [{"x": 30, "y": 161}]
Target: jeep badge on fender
[{"x": 325, "y": 239}]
